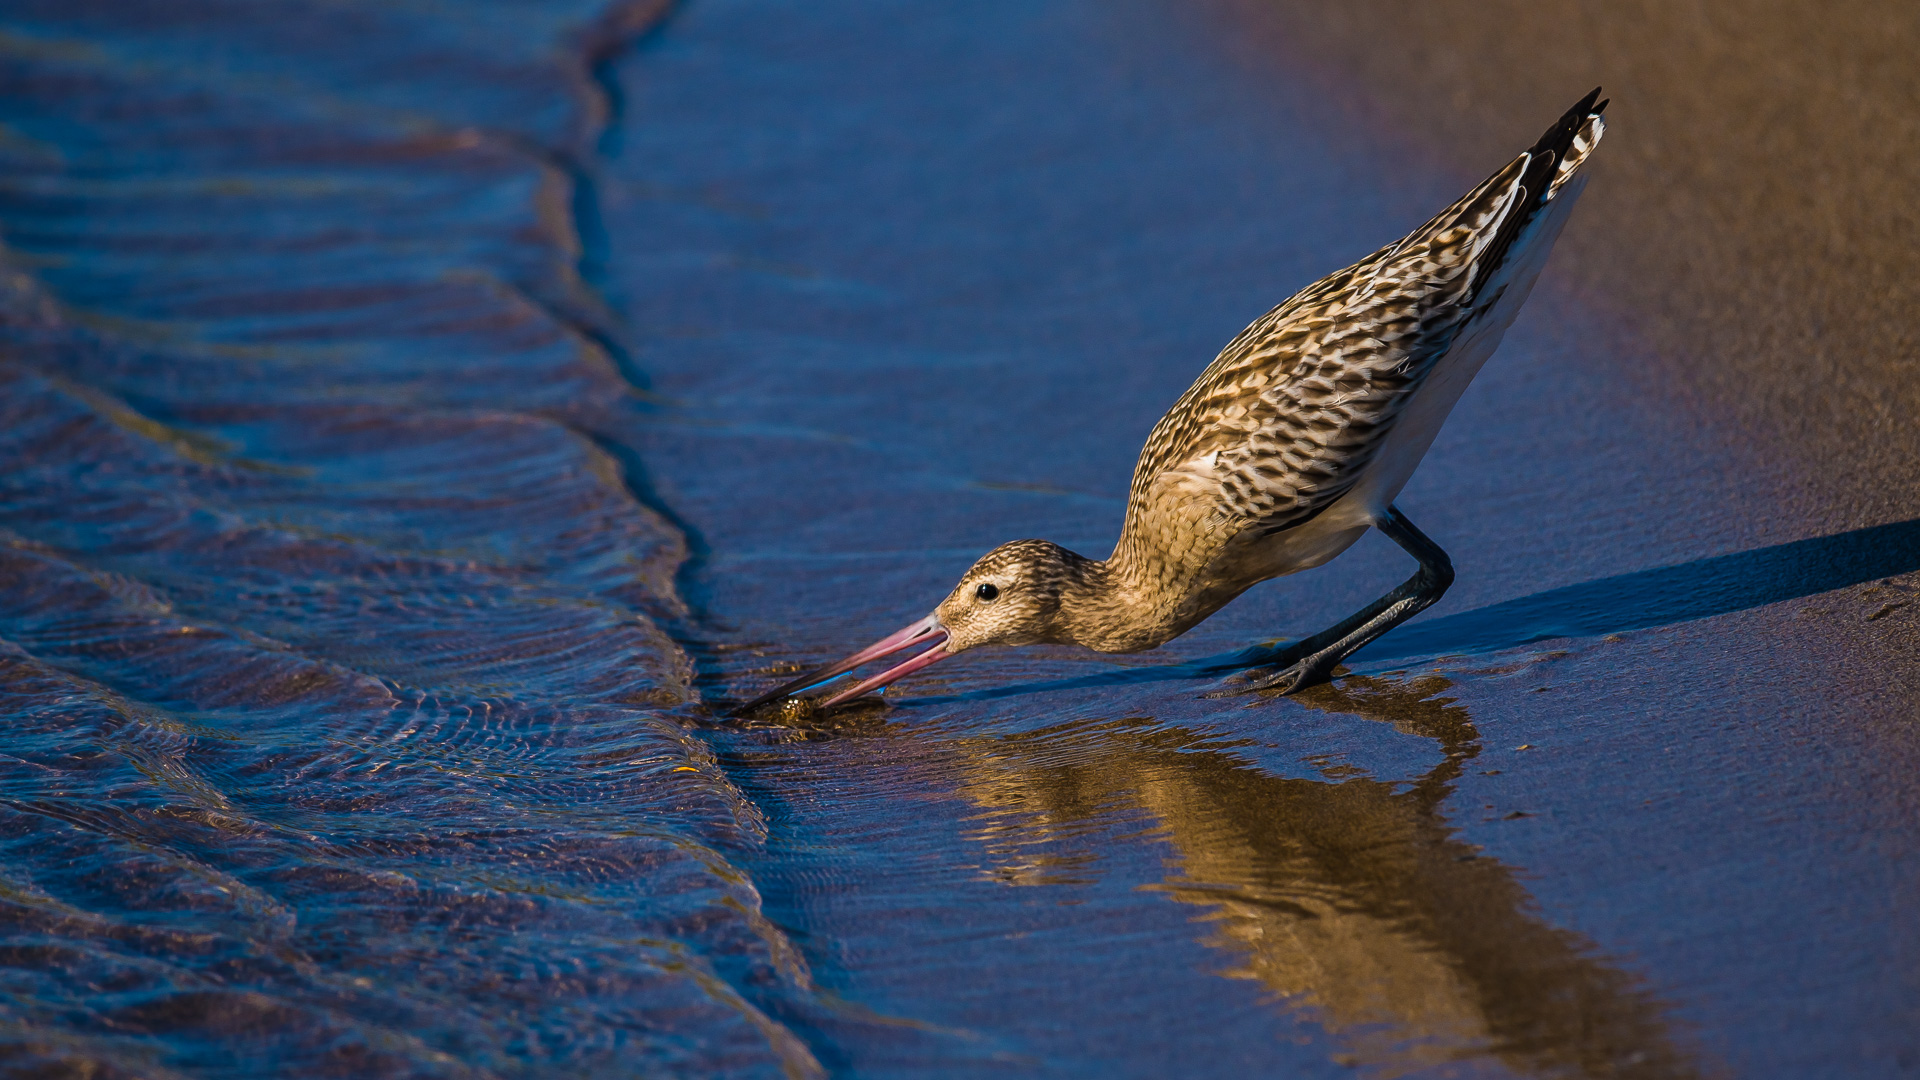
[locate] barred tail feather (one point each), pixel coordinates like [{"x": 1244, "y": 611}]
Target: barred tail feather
[
  {"x": 1549, "y": 164},
  {"x": 1584, "y": 141}
]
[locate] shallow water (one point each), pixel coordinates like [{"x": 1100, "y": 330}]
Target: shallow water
[
  {"x": 420, "y": 419},
  {"x": 342, "y": 734}
]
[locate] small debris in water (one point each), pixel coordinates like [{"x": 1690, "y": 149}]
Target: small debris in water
[{"x": 796, "y": 708}]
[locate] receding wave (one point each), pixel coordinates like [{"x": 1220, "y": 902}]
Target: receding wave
[{"x": 342, "y": 733}]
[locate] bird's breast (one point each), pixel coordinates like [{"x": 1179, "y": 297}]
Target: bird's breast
[
  {"x": 1263, "y": 556},
  {"x": 1241, "y": 563}
]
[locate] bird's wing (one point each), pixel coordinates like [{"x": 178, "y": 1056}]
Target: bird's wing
[{"x": 1284, "y": 421}]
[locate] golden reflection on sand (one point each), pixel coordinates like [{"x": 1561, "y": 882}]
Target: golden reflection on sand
[{"x": 1347, "y": 897}]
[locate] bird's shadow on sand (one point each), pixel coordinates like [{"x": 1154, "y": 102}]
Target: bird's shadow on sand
[{"x": 1636, "y": 601}]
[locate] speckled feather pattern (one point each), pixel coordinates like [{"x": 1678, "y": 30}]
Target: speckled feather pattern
[
  {"x": 1285, "y": 421},
  {"x": 1284, "y": 424}
]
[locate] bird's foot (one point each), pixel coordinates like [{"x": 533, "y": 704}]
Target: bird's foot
[{"x": 1279, "y": 678}]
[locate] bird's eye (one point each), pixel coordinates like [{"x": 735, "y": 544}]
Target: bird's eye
[{"x": 987, "y": 590}]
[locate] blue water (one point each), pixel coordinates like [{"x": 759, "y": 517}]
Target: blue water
[
  {"x": 417, "y": 422},
  {"x": 342, "y": 727}
]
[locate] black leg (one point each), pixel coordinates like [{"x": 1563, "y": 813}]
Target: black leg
[{"x": 1307, "y": 663}]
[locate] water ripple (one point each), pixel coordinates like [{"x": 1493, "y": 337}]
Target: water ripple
[{"x": 343, "y": 737}]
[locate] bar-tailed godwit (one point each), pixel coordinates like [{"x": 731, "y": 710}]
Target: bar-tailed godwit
[{"x": 1291, "y": 444}]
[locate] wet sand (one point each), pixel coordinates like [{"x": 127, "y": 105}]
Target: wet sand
[
  {"x": 1758, "y": 216},
  {"x": 417, "y": 422},
  {"x": 913, "y": 286}
]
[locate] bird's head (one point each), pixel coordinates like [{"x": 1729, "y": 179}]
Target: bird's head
[{"x": 1011, "y": 596}]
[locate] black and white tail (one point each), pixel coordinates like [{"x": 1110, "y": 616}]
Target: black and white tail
[{"x": 1546, "y": 168}]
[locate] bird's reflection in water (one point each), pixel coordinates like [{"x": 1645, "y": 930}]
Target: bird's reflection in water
[{"x": 1347, "y": 897}]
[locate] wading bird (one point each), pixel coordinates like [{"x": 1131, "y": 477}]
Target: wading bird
[{"x": 1291, "y": 444}]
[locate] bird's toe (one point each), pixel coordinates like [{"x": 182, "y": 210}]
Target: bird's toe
[
  {"x": 1284, "y": 679},
  {"x": 1274, "y": 678}
]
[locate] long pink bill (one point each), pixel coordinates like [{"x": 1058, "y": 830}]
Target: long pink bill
[
  {"x": 926, "y": 659},
  {"x": 924, "y": 631}
]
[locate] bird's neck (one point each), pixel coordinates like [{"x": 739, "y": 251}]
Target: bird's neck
[{"x": 1128, "y": 603}]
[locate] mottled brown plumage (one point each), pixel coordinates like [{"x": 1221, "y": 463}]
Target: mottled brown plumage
[{"x": 1289, "y": 446}]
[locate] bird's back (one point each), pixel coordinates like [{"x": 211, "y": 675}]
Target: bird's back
[{"x": 1300, "y": 407}]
